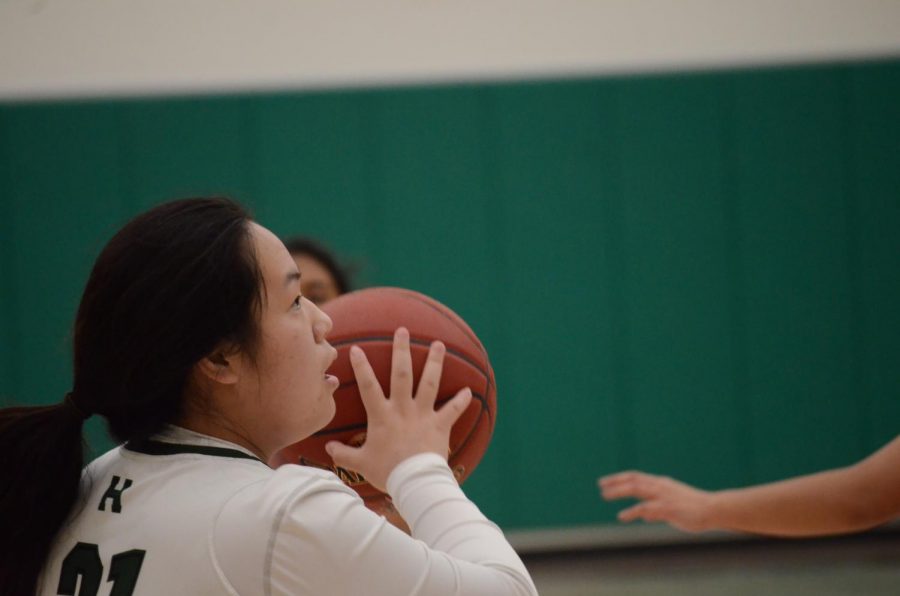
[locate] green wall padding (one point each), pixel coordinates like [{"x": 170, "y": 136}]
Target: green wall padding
[{"x": 693, "y": 274}]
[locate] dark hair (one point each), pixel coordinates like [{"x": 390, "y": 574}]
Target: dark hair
[
  {"x": 307, "y": 246},
  {"x": 168, "y": 288}
]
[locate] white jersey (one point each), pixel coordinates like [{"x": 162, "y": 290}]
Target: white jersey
[{"x": 187, "y": 514}]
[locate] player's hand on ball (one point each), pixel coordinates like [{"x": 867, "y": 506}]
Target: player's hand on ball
[
  {"x": 662, "y": 499},
  {"x": 404, "y": 424}
]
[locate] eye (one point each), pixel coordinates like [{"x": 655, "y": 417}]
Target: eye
[{"x": 297, "y": 303}]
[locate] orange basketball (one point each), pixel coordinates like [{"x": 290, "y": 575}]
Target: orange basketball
[{"x": 368, "y": 318}]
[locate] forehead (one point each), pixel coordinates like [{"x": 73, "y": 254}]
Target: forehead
[{"x": 275, "y": 262}]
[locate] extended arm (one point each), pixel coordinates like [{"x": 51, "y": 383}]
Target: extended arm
[{"x": 838, "y": 501}]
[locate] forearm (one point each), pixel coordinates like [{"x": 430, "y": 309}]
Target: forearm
[
  {"x": 830, "y": 502},
  {"x": 440, "y": 515}
]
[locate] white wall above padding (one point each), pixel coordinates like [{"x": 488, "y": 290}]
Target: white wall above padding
[{"x": 69, "y": 48}]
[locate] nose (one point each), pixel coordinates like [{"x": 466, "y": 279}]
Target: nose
[{"x": 322, "y": 325}]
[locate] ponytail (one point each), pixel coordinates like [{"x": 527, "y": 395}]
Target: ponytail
[
  {"x": 41, "y": 456},
  {"x": 170, "y": 286}
]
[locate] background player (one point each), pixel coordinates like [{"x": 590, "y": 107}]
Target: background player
[{"x": 324, "y": 277}]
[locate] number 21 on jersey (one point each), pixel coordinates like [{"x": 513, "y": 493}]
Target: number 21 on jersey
[{"x": 84, "y": 560}]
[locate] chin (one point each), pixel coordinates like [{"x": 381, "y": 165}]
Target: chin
[
  {"x": 328, "y": 415},
  {"x": 329, "y": 406}
]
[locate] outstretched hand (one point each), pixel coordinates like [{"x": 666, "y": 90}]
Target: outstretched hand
[
  {"x": 662, "y": 499},
  {"x": 403, "y": 425}
]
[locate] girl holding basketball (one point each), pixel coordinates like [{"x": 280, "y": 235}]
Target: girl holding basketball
[
  {"x": 194, "y": 343},
  {"x": 839, "y": 501}
]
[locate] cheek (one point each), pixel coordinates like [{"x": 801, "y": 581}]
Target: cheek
[
  {"x": 278, "y": 355},
  {"x": 296, "y": 354}
]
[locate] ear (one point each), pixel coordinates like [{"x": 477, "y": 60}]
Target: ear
[{"x": 220, "y": 367}]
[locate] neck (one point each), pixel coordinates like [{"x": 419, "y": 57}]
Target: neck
[{"x": 217, "y": 426}]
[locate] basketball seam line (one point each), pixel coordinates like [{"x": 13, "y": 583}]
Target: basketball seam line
[
  {"x": 361, "y": 425},
  {"x": 470, "y": 334},
  {"x": 418, "y": 342}
]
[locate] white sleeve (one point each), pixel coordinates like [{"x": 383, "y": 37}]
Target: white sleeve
[
  {"x": 433, "y": 505},
  {"x": 323, "y": 540}
]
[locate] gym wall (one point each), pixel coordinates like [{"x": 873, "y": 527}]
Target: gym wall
[{"x": 690, "y": 273}]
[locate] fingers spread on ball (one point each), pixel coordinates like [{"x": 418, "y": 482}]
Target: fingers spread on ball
[
  {"x": 369, "y": 389},
  {"x": 427, "y": 392},
  {"x": 401, "y": 366},
  {"x": 453, "y": 409},
  {"x": 344, "y": 456}
]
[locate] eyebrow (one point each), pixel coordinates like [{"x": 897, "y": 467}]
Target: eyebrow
[{"x": 291, "y": 277}]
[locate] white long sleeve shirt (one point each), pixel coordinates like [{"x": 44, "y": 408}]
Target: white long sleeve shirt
[{"x": 189, "y": 514}]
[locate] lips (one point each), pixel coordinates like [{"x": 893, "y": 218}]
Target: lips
[{"x": 333, "y": 381}]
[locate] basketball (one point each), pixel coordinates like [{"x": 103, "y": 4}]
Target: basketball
[{"x": 368, "y": 318}]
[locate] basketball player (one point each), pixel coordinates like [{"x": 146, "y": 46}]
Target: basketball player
[
  {"x": 839, "y": 501},
  {"x": 324, "y": 279},
  {"x": 194, "y": 343}
]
